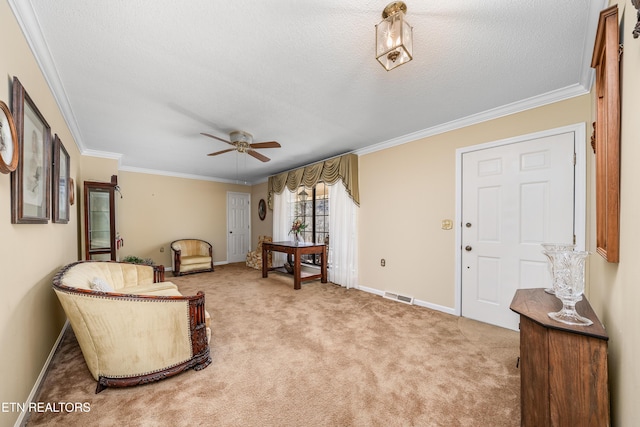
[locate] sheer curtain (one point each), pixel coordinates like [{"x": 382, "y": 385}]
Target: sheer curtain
[
  {"x": 343, "y": 237},
  {"x": 341, "y": 176},
  {"x": 281, "y": 222}
]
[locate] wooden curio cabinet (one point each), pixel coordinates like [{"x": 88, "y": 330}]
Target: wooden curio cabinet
[
  {"x": 606, "y": 57},
  {"x": 100, "y": 220}
]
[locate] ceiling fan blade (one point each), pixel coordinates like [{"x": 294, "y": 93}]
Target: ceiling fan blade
[
  {"x": 221, "y": 152},
  {"x": 270, "y": 144},
  {"x": 215, "y": 137},
  {"x": 258, "y": 156}
]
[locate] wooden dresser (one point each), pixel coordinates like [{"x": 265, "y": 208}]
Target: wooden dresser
[{"x": 563, "y": 368}]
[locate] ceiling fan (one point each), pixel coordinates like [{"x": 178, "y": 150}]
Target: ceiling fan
[{"x": 243, "y": 143}]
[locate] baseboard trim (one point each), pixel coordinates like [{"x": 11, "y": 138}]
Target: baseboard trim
[
  {"x": 442, "y": 308},
  {"x": 448, "y": 310},
  {"x": 43, "y": 373},
  {"x": 370, "y": 290}
]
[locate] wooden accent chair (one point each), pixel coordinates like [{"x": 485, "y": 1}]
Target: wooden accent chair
[
  {"x": 254, "y": 258},
  {"x": 191, "y": 256}
]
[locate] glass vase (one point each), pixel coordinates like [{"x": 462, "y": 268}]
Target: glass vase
[
  {"x": 569, "y": 271},
  {"x": 549, "y": 251}
]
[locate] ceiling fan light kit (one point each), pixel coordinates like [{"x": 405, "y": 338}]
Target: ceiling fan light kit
[
  {"x": 241, "y": 140},
  {"x": 394, "y": 37},
  {"x": 243, "y": 143}
]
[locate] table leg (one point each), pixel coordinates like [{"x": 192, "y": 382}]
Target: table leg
[
  {"x": 323, "y": 263},
  {"x": 265, "y": 267},
  {"x": 296, "y": 272}
]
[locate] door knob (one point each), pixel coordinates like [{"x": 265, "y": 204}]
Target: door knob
[{"x": 467, "y": 248}]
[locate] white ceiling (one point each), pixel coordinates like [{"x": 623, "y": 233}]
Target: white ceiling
[{"x": 139, "y": 80}]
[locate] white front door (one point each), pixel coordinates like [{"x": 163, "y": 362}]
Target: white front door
[
  {"x": 514, "y": 197},
  {"x": 238, "y": 226}
]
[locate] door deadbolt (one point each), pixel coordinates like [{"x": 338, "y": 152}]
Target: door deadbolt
[{"x": 467, "y": 248}]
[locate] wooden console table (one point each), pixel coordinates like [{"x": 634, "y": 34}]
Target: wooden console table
[
  {"x": 563, "y": 368},
  {"x": 297, "y": 251}
]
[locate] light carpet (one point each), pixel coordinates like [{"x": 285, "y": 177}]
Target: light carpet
[{"x": 319, "y": 356}]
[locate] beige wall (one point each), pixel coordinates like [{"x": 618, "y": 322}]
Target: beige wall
[
  {"x": 98, "y": 169},
  {"x": 615, "y": 288},
  {"x": 156, "y": 210},
  {"x": 30, "y": 254},
  {"x": 406, "y": 192},
  {"x": 258, "y": 227}
]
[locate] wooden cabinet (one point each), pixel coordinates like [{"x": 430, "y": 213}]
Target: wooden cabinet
[
  {"x": 100, "y": 220},
  {"x": 563, "y": 368},
  {"x": 606, "y": 61}
]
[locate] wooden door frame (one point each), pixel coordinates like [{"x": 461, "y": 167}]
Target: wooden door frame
[{"x": 580, "y": 190}]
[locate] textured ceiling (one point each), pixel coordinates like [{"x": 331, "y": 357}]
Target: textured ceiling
[{"x": 141, "y": 79}]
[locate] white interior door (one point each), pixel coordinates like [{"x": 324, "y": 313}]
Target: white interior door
[
  {"x": 514, "y": 197},
  {"x": 238, "y": 226}
]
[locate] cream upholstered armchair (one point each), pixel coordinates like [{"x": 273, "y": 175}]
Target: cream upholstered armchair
[
  {"x": 132, "y": 326},
  {"x": 191, "y": 256},
  {"x": 254, "y": 258}
]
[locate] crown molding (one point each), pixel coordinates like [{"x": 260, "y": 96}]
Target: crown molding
[
  {"x": 28, "y": 22},
  {"x": 181, "y": 175},
  {"x": 495, "y": 113},
  {"x": 587, "y": 76},
  {"x": 103, "y": 154}
]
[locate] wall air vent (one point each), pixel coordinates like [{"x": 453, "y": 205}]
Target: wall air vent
[{"x": 397, "y": 297}]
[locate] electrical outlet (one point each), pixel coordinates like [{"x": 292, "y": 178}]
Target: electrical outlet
[{"x": 382, "y": 262}]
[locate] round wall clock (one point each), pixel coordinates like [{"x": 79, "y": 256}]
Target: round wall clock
[
  {"x": 9, "y": 152},
  {"x": 262, "y": 209}
]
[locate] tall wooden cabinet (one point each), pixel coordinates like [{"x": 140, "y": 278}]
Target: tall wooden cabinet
[
  {"x": 563, "y": 368},
  {"x": 100, "y": 220},
  {"x": 606, "y": 61}
]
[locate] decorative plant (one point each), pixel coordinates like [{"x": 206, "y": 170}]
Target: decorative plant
[
  {"x": 297, "y": 227},
  {"x": 137, "y": 260}
]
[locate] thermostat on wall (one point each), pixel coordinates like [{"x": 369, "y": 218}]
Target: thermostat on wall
[{"x": 447, "y": 224}]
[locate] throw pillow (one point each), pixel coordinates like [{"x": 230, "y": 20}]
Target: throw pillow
[{"x": 99, "y": 284}]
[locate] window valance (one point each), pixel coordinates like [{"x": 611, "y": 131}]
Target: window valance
[{"x": 330, "y": 171}]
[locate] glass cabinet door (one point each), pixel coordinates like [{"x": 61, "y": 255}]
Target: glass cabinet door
[{"x": 100, "y": 227}]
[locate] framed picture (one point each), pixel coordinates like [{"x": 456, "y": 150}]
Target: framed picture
[
  {"x": 60, "y": 184},
  {"x": 262, "y": 209},
  {"x": 8, "y": 141},
  {"x": 31, "y": 181}
]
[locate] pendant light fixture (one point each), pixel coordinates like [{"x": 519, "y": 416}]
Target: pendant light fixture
[{"x": 394, "y": 37}]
